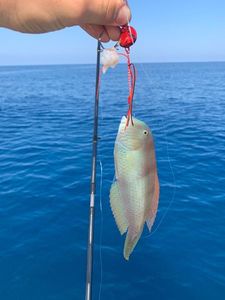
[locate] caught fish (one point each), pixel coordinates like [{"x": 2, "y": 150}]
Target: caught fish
[{"x": 134, "y": 195}]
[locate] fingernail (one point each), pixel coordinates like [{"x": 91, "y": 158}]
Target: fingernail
[{"x": 123, "y": 16}]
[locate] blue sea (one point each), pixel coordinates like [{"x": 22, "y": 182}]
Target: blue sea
[{"x": 46, "y": 124}]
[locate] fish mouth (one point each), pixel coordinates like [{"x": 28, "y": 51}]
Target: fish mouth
[
  {"x": 123, "y": 123},
  {"x": 126, "y": 135}
]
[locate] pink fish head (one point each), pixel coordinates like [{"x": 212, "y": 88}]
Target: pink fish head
[{"x": 134, "y": 137}]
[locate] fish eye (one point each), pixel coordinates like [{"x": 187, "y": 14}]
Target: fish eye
[{"x": 145, "y": 132}]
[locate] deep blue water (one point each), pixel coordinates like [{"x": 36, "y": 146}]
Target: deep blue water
[{"x": 45, "y": 159}]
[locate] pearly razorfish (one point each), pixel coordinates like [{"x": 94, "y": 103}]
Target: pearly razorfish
[{"x": 134, "y": 195}]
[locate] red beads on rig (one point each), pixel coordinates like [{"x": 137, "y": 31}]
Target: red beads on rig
[{"x": 128, "y": 36}]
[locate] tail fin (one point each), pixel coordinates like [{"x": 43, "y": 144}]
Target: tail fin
[{"x": 130, "y": 242}]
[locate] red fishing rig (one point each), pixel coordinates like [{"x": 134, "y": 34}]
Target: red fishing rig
[
  {"x": 127, "y": 38},
  {"x": 110, "y": 58}
]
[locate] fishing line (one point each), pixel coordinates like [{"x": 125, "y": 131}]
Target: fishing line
[
  {"x": 100, "y": 196},
  {"x": 101, "y": 230},
  {"x": 170, "y": 166},
  {"x": 128, "y": 24},
  {"x": 165, "y": 135}
]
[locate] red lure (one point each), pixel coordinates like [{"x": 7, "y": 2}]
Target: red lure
[{"x": 128, "y": 36}]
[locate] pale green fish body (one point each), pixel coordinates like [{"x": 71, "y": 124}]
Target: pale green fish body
[{"x": 135, "y": 193}]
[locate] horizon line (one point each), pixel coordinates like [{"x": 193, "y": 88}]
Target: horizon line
[{"x": 71, "y": 64}]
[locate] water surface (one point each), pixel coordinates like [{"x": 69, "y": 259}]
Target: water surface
[{"x": 45, "y": 159}]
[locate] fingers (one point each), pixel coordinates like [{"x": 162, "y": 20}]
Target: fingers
[
  {"x": 113, "y": 32},
  {"x": 110, "y": 12},
  {"x": 98, "y": 12},
  {"x": 106, "y": 32}
]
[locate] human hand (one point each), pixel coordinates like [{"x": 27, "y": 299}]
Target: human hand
[{"x": 97, "y": 17}]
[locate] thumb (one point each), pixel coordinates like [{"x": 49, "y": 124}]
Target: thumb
[{"x": 99, "y": 12}]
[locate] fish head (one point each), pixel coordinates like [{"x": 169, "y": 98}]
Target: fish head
[{"x": 134, "y": 136}]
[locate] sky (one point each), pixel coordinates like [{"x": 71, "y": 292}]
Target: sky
[{"x": 168, "y": 31}]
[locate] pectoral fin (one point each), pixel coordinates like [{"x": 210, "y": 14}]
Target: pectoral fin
[{"x": 117, "y": 207}]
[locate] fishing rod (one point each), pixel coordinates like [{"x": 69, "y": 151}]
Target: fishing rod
[
  {"x": 93, "y": 182},
  {"x": 127, "y": 38}
]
